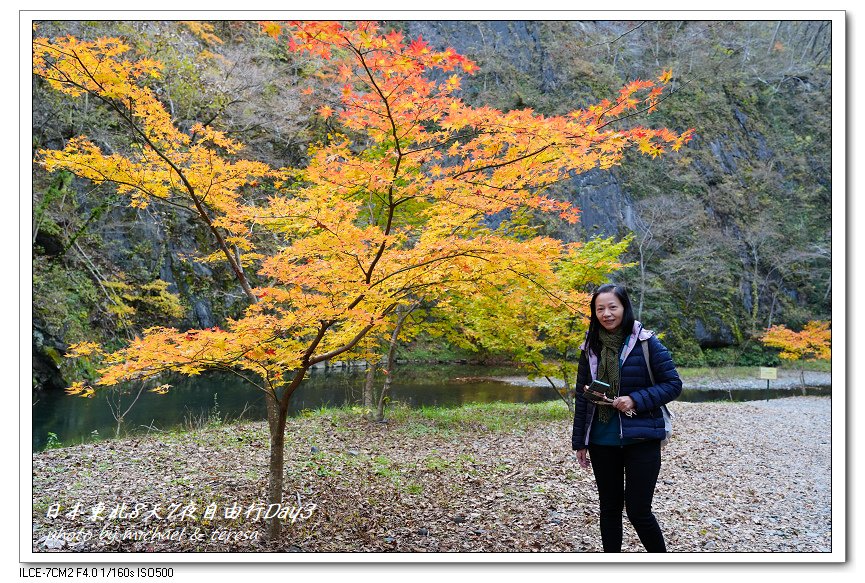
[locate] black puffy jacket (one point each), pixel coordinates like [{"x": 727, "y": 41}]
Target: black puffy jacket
[{"x": 634, "y": 381}]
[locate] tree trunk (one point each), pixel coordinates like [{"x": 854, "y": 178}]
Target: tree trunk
[
  {"x": 379, "y": 412},
  {"x": 755, "y": 295},
  {"x": 277, "y": 413},
  {"x": 567, "y": 396},
  {"x": 368, "y": 394},
  {"x": 772, "y": 309},
  {"x": 276, "y": 416},
  {"x": 569, "y": 401},
  {"x": 389, "y": 361},
  {"x": 774, "y": 38},
  {"x": 570, "y": 391}
]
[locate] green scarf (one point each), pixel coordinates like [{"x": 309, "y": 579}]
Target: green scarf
[{"x": 608, "y": 366}]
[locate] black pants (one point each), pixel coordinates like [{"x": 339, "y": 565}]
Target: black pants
[{"x": 626, "y": 477}]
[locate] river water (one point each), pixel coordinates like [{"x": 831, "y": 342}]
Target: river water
[{"x": 74, "y": 420}]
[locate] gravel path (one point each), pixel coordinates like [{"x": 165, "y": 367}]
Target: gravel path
[
  {"x": 737, "y": 477},
  {"x": 787, "y": 379},
  {"x": 751, "y": 476}
]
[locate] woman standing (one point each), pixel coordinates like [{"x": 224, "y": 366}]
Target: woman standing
[{"x": 619, "y": 427}]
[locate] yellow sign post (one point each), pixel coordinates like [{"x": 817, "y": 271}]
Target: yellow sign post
[{"x": 770, "y": 374}]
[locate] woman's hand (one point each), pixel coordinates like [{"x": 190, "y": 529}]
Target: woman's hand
[
  {"x": 624, "y": 404},
  {"x": 583, "y": 458}
]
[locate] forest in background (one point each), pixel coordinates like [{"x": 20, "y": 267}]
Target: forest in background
[{"x": 729, "y": 237}]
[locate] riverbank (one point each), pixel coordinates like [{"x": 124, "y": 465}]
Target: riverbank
[
  {"x": 478, "y": 478},
  {"x": 707, "y": 379},
  {"x": 192, "y": 401}
]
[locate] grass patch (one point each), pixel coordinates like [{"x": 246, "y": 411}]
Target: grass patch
[
  {"x": 459, "y": 464},
  {"x": 436, "y": 463},
  {"x": 727, "y": 372},
  {"x": 496, "y": 417},
  {"x": 417, "y": 429},
  {"x": 323, "y": 464},
  {"x": 381, "y": 466},
  {"x": 434, "y": 421},
  {"x": 811, "y": 366}
]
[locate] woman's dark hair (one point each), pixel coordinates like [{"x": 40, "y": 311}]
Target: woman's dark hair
[{"x": 595, "y": 324}]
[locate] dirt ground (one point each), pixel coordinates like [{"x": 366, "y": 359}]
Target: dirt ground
[{"x": 737, "y": 477}]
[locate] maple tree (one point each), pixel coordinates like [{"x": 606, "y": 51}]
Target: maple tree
[
  {"x": 389, "y": 208},
  {"x": 540, "y": 321},
  {"x": 813, "y": 342}
]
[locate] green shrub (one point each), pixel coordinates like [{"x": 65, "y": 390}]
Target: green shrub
[
  {"x": 687, "y": 354},
  {"x": 53, "y": 441},
  {"x": 717, "y": 357},
  {"x": 755, "y": 354}
]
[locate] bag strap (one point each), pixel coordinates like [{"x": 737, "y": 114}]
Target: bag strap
[{"x": 645, "y": 344}]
